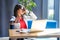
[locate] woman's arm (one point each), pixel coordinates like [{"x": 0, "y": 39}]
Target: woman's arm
[
  {"x": 31, "y": 14},
  {"x": 15, "y": 23}
]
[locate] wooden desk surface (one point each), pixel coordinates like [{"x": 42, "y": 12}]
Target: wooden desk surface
[
  {"x": 45, "y": 33},
  {"x": 14, "y": 34}
]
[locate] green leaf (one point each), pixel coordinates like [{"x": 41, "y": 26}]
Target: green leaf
[{"x": 29, "y": 4}]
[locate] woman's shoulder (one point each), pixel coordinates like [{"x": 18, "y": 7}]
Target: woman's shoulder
[{"x": 13, "y": 18}]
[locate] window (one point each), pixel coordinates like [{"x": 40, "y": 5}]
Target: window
[{"x": 50, "y": 9}]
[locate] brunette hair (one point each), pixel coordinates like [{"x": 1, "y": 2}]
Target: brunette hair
[{"x": 17, "y": 7}]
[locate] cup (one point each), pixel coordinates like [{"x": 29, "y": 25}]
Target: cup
[{"x": 29, "y": 23}]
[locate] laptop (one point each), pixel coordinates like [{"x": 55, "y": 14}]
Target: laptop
[{"x": 39, "y": 24}]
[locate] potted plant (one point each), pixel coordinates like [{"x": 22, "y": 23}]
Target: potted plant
[{"x": 29, "y": 4}]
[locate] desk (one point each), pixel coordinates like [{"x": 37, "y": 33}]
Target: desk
[{"x": 43, "y": 34}]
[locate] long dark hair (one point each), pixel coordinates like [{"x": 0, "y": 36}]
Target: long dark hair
[{"x": 17, "y": 7}]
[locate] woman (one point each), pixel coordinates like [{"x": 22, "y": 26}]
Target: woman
[
  {"x": 19, "y": 11},
  {"x": 20, "y": 14}
]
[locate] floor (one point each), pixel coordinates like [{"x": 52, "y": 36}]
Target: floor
[
  {"x": 7, "y": 38},
  {"x": 43, "y": 39}
]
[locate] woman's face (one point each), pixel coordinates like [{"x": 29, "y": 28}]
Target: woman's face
[{"x": 20, "y": 12}]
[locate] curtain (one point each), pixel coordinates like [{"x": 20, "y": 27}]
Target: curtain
[{"x": 6, "y": 11}]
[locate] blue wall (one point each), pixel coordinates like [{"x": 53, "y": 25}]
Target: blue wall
[
  {"x": 6, "y": 11},
  {"x": 38, "y": 9}
]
